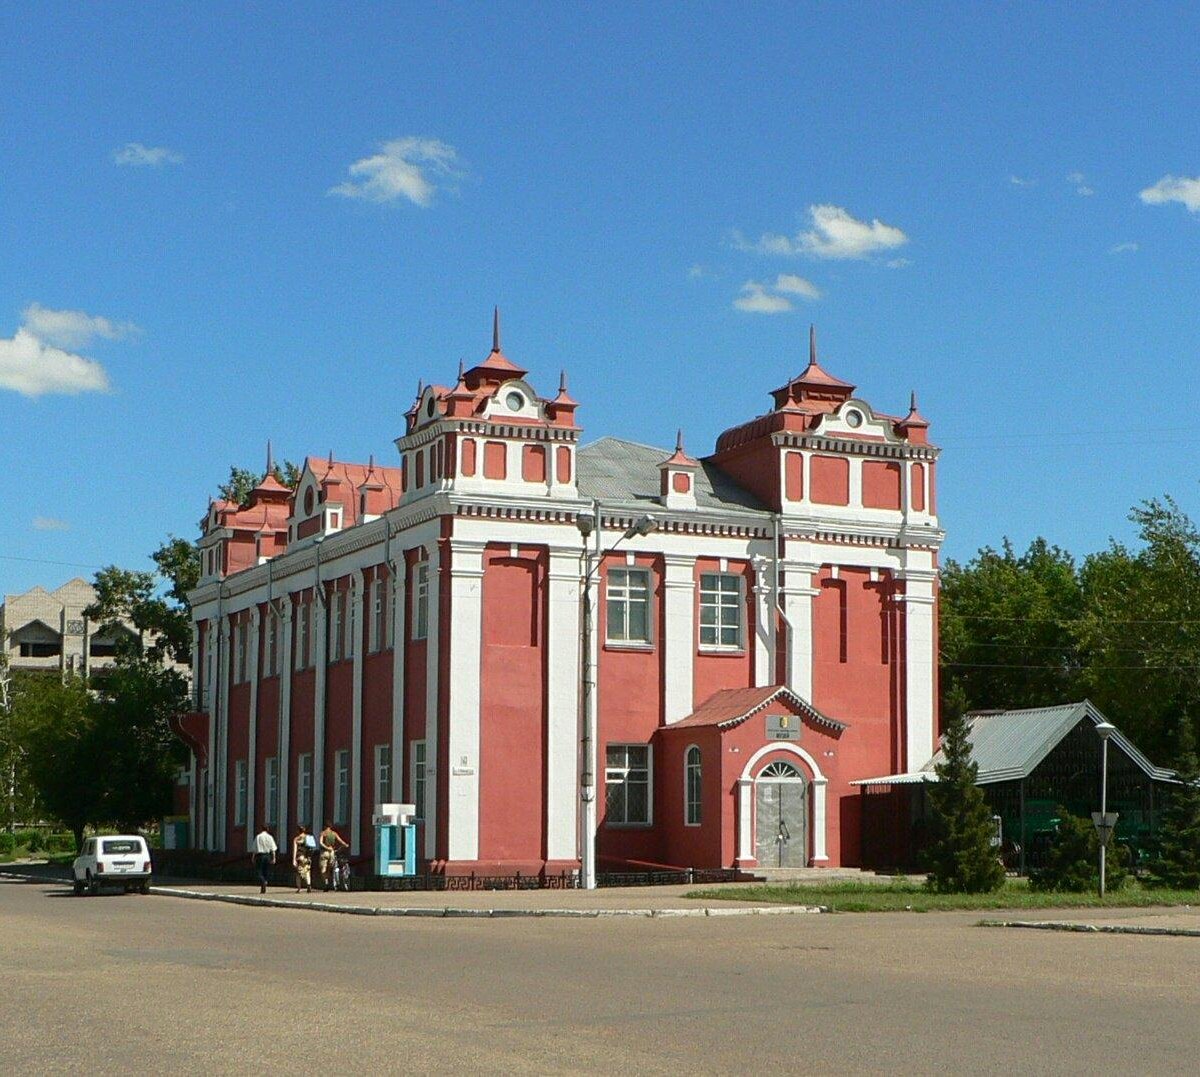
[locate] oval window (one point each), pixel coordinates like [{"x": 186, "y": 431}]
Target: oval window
[
  {"x": 429, "y": 407},
  {"x": 853, "y": 419},
  {"x": 308, "y": 501},
  {"x": 515, "y": 401}
]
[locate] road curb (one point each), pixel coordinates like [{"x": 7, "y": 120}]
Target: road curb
[
  {"x": 1094, "y": 929},
  {"x": 450, "y": 911}
]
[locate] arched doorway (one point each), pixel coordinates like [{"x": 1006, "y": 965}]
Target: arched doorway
[{"x": 781, "y": 816}]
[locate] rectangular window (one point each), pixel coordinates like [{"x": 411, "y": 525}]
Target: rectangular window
[
  {"x": 420, "y": 625},
  {"x": 383, "y": 774},
  {"x": 341, "y": 786},
  {"x": 303, "y": 634},
  {"x": 627, "y": 785},
  {"x": 304, "y": 790},
  {"x": 239, "y": 799},
  {"x": 240, "y": 642},
  {"x": 378, "y": 633},
  {"x": 336, "y": 610},
  {"x": 272, "y": 790},
  {"x": 418, "y": 778},
  {"x": 720, "y": 610},
  {"x": 628, "y": 605},
  {"x": 351, "y": 621},
  {"x": 691, "y": 786},
  {"x": 389, "y": 611}
]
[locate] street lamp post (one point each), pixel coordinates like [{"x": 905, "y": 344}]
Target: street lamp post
[
  {"x": 1104, "y": 829},
  {"x": 588, "y": 522}
]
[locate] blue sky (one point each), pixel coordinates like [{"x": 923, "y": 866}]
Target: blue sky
[{"x": 659, "y": 200}]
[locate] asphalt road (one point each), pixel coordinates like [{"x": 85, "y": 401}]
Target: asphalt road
[{"x": 130, "y": 983}]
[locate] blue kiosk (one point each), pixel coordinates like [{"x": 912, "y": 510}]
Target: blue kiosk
[{"x": 395, "y": 840}]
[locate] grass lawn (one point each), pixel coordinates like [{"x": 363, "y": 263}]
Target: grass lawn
[{"x": 913, "y": 897}]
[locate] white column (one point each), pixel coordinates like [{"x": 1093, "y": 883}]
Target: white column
[
  {"x": 193, "y": 769},
  {"x": 396, "y": 611},
  {"x": 220, "y": 764},
  {"x": 252, "y": 725},
  {"x": 764, "y": 622},
  {"x": 212, "y": 637},
  {"x": 284, "y": 740},
  {"x": 818, "y": 787},
  {"x": 563, "y": 664},
  {"x": 321, "y": 662},
  {"x": 466, "y": 642},
  {"x": 357, "y": 619},
  {"x": 432, "y": 820},
  {"x": 919, "y": 666},
  {"x": 745, "y": 820},
  {"x": 679, "y": 635},
  {"x": 856, "y": 466},
  {"x": 798, "y": 595}
]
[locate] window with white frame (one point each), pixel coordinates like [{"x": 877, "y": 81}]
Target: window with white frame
[
  {"x": 336, "y": 611},
  {"x": 351, "y": 621},
  {"x": 418, "y": 778},
  {"x": 239, "y": 798},
  {"x": 383, "y": 774},
  {"x": 303, "y": 634},
  {"x": 627, "y": 785},
  {"x": 720, "y": 610},
  {"x": 420, "y": 625},
  {"x": 304, "y": 790},
  {"x": 272, "y": 655},
  {"x": 691, "y": 786},
  {"x": 378, "y": 632},
  {"x": 389, "y": 612},
  {"x": 341, "y": 786},
  {"x": 272, "y": 790},
  {"x": 239, "y": 639},
  {"x": 628, "y": 605}
]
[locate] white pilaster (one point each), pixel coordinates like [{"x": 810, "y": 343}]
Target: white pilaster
[
  {"x": 764, "y": 619},
  {"x": 432, "y": 820},
  {"x": 855, "y": 468},
  {"x": 284, "y": 740},
  {"x": 320, "y": 660},
  {"x": 745, "y": 820},
  {"x": 679, "y": 635},
  {"x": 396, "y": 612},
  {"x": 819, "y": 855},
  {"x": 919, "y": 666},
  {"x": 358, "y": 620},
  {"x": 798, "y": 595},
  {"x": 466, "y": 647},
  {"x": 563, "y": 663},
  {"x": 221, "y": 761},
  {"x": 252, "y": 728},
  {"x": 193, "y": 770}
]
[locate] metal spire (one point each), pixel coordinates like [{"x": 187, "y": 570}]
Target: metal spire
[
  {"x": 270, "y": 460},
  {"x": 912, "y": 401},
  {"x": 562, "y": 381},
  {"x": 495, "y": 329},
  {"x": 812, "y": 345},
  {"x": 679, "y": 440}
]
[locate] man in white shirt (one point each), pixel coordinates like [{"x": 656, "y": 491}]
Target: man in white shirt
[{"x": 264, "y": 856}]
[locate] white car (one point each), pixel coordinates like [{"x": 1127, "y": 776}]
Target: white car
[{"x": 113, "y": 859}]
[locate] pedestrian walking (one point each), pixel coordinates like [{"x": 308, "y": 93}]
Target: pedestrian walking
[
  {"x": 302, "y": 859},
  {"x": 264, "y": 856},
  {"x": 330, "y": 842}
]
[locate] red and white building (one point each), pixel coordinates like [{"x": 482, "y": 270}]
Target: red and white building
[{"x": 413, "y": 633}]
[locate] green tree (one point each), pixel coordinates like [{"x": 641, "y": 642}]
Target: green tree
[
  {"x": 1139, "y": 634},
  {"x": 1073, "y": 860},
  {"x": 62, "y": 750},
  {"x": 1007, "y": 627},
  {"x": 242, "y": 480},
  {"x": 1177, "y": 863},
  {"x": 961, "y": 856}
]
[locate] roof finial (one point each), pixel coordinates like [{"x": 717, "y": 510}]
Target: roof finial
[
  {"x": 562, "y": 381},
  {"x": 330, "y": 459},
  {"x": 912, "y": 401},
  {"x": 270, "y": 461},
  {"x": 812, "y": 345},
  {"x": 495, "y": 329},
  {"x": 679, "y": 440},
  {"x": 371, "y": 463},
  {"x": 461, "y": 368}
]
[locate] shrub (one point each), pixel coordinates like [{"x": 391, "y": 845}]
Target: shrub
[
  {"x": 8, "y": 843},
  {"x": 34, "y": 840},
  {"x": 1073, "y": 861},
  {"x": 60, "y": 841}
]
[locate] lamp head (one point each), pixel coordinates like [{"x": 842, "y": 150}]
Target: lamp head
[
  {"x": 1104, "y": 730},
  {"x": 643, "y": 527},
  {"x": 586, "y": 522}
]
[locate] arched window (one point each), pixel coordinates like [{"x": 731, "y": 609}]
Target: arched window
[{"x": 691, "y": 786}]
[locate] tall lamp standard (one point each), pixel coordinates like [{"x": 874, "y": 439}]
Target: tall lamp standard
[
  {"x": 588, "y": 522},
  {"x": 1104, "y": 826}
]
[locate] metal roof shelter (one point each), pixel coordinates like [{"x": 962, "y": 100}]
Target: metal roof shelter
[{"x": 1008, "y": 745}]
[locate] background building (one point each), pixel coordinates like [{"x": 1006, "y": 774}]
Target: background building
[{"x": 763, "y": 627}]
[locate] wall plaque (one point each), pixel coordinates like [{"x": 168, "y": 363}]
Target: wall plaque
[{"x": 783, "y": 727}]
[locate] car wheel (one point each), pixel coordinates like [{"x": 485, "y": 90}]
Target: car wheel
[
  {"x": 144, "y": 888},
  {"x": 77, "y": 886},
  {"x": 93, "y": 884}
]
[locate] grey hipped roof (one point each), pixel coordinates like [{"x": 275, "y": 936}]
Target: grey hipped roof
[
  {"x": 1008, "y": 745},
  {"x": 625, "y": 473}
]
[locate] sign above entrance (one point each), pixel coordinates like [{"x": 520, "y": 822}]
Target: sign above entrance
[{"x": 783, "y": 727}]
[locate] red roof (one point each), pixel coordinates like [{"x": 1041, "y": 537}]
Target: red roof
[
  {"x": 352, "y": 476},
  {"x": 731, "y": 706}
]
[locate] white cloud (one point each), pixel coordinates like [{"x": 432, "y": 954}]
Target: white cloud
[
  {"x": 697, "y": 272},
  {"x": 899, "y": 263},
  {"x": 1183, "y": 189},
  {"x": 134, "y": 153},
  {"x": 32, "y": 368},
  {"x": 1123, "y": 248},
  {"x": 1079, "y": 181},
  {"x": 755, "y": 299},
  {"x": 50, "y": 523},
  {"x": 72, "y": 328},
  {"x": 790, "y": 284},
  {"x": 1019, "y": 181},
  {"x": 411, "y": 168},
  {"x": 834, "y": 234}
]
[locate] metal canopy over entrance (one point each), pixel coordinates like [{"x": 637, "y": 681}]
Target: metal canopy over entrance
[{"x": 781, "y": 818}]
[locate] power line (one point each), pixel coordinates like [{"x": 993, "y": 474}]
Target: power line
[{"x": 44, "y": 561}]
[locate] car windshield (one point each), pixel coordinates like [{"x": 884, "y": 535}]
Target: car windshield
[{"x": 124, "y": 845}]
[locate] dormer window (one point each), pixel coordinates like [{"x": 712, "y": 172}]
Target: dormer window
[
  {"x": 854, "y": 419},
  {"x": 515, "y": 401},
  {"x": 309, "y": 501},
  {"x": 429, "y": 407}
]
